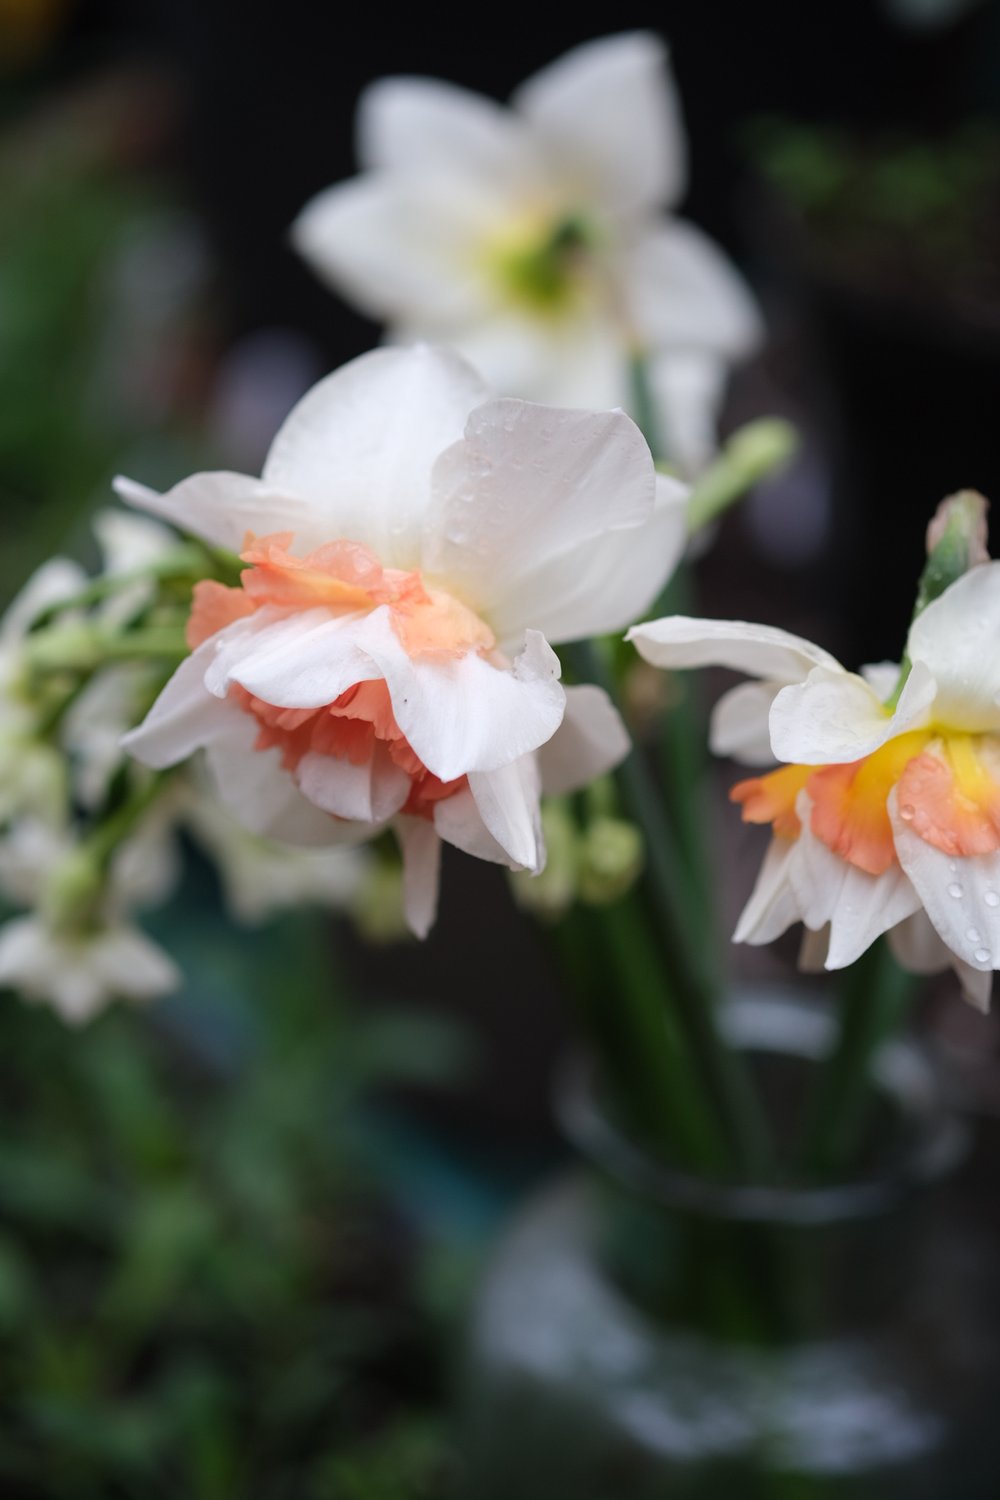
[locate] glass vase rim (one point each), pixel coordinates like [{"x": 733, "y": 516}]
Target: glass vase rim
[{"x": 931, "y": 1142}]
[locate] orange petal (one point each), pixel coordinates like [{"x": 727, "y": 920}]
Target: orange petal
[
  {"x": 952, "y": 801},
  {"x": 850, "y": 813},
  {"x": 771, "y": 798},
  {"x": 213, "y": 607}
]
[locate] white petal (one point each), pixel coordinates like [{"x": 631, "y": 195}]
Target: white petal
[
  {"x": 601, "y": 586},
  {"x": 760, "y": 650},
  {"x": 128, "y": 542},
  {"x": 508, "y": 803},
  {"x": 773, "y": 905},
  {"x": 369, "y": 793},
  {"x": 834, "y": 716},
  {"x": 530, "y": 483},
  {"x": 401, "y": 249},
  {"x": 421, "y": 849},
  {"x": 302, "y": 660},
  {"x": 608, "y": 109},
  {"x": 918, "y": 947},
  {"x": 460, "y": 823},
  {"x": 881, "y": 677},
  {"x": 687, "y": 390},
  {"x": 184, "y": 717},
  {"x": 577, "y": 362},
  {"x": 684, "y": 294},
  {"x": 957, "y": 894},
  {"x": 858, "y": 907},
  {"x": 132, "y": 966},
  {"x": 740, "y": 725},
  {"x": 464, "y": 714},
  {"x": 412, "y": 124},
  {"x": 590, "y": 741},
  {"x": 221, "y": 508},
  {"x": 958, "y": 639},
  {"x": 260, "y": 794},
  {"x": 361, "y": 445}
]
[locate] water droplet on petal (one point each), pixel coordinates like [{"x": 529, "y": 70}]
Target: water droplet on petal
[
  {"x": 953, "y": 865},
  {"x": 973, "y": 934},
  {"x": 991, "y": 898},
  {"x": 982, "y": 955},
  {"x": 955, "y": 890},
  {"x": 908, "y": 812}
]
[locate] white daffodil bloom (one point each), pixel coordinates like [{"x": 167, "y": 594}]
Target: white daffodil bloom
[
  {"x": 79, "y": 972},
  {"x": 79, "y": 962},
  {"x": 414, "y": 546},
  {"x": 884, "y": 818},
  {"x": 533, "y": 238}
]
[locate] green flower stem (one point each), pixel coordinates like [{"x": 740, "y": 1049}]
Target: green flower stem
[
  {"x": 684, "y": 964},
  {"x": 84, "y": 648},
  {"x": 188, "y": 561},
  {"x": 113, "y": 830},
  {"x": 749, "y": 455},
  {"x": 877, "y": 994}
]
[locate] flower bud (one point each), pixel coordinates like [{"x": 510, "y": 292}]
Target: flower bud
[{"x": 610, "y": 860}]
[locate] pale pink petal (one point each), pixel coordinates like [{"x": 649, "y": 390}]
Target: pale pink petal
[
  {"x": 956, "y": 638},
  {"x": 760, "y": 650},
  {"x": 360, "y": 447},
  {"x": 460, "y": 823},
  {"x": 683, "y": 293},
  {"x": 740, "y": 726},
  {"x": 221, "y": 508},
  {"x": 421, "y": 848},
  {"x": 262, "y": 797},
  {"x": 528, "y": 484},
  {"x": 834, "y": 716},
  {"x": 608, "y": 113},
  {"x": 600, "y": 587},
  {"x": 960, "y": 896},
  {"x": 590, "y": 741},
  {"x": 464, "y": 714},
  {"x": 184, "y": 718},
  {"x": 301, "y": 660},
  {"x": 368, "y": 793}
]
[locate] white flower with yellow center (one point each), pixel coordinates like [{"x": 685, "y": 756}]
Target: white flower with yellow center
[
  {"x": 412, "y": 547},
  {"x": 885, "y": 817},
  {"x": 533, "y": 238}
]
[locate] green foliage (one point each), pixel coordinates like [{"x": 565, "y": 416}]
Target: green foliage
[{"x": 201, "y": 1293}]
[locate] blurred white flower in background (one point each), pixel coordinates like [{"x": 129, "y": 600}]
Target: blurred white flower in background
[{"x": 533, "y": 239}]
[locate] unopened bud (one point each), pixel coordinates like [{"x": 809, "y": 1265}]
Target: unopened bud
[
  {"x": 956, "y": 542},
  {"x": 610, "y": 860},
  {"x": 73, "y": 891}
]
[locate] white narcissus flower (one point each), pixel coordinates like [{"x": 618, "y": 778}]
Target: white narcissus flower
[
  {"x": 79, "y": 972},
  {"x": 885, "y": 818},
  {"x": 533, "y": 238},
  {"x": 414, "y": 546}
]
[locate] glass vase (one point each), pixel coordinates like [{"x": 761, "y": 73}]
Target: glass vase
[{"x": 641, "y": 1333}]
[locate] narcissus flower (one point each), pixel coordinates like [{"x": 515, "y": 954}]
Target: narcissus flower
[
  {"x": 533, "y": 239},
  {"x": 885, "y": 813},
  {"x": 410, "y": 551}
]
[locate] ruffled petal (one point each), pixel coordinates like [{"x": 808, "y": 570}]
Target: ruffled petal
[
  {"x": 600, "y": 587},
  {"x": 834, "y": 716},
  {"x": 528, "y": 484},
  {"x": 608, "y": 113},
  {"x": 253, "y": 786},
  {"x": 301, "y": 660},
  {"x": 858, "y": 907},
  {"x": 460, "y": 823},
  {"x": 184, "y": 718},
  {"x": 372, "y": 792},
  {"x": 684, "y": 293},
  {"x": 760, "y": 650},
  {"x": 917, "y": 947},
  {"x": 956, "y": 638},
  {"x": 464, "y": 714},
  {"x": 360, "y": 447},
  {"x": 590, "y": 741},
  {"x": 221, "y": 508},
  {"x": 961, "y": 896}
]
